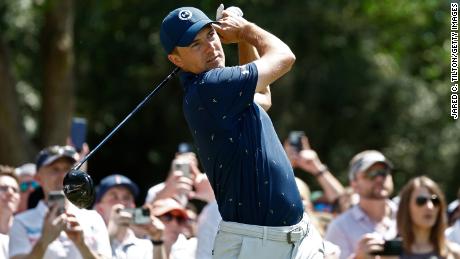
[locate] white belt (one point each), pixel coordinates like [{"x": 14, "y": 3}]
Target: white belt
[{"x": 290, "y": 234}]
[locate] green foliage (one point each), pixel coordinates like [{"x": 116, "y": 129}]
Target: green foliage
[{"x": 368, "y": 75}]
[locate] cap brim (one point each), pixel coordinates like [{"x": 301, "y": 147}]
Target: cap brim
[
  {"x": 191, "y": 32},
  {"x": 368, "y": 163},
  {"x": 52, "y": 159},
  {"x": 161, "y": 207}
]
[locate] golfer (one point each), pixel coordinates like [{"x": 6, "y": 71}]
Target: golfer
[{"x": 239, "y": 149}]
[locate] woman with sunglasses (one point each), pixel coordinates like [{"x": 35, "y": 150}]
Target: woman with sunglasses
[
  {"x": 421, "y": 221},
  {"x": 175, "y": 219}
]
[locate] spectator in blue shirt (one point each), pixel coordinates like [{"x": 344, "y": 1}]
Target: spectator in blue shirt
[{"x": 236, "y": 142}]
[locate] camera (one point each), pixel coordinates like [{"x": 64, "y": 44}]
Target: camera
[
  {"x": 295, "y": 139},
  {"x": 391, "y": 247},
  {"x": 140, "y": 216},
  {"x": 58, "y": 198}
]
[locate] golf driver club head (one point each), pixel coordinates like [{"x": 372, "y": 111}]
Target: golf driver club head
[{"x": 79, "y": 188}]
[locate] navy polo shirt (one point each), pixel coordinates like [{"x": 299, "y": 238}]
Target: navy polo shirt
[{"x": 249, "y": 171}]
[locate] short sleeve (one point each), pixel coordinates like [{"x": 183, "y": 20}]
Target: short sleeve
[
  {"x": 227, "y": 91},
  {"x": 101, "y": 235},
  {"x": 335, "y": 235}
]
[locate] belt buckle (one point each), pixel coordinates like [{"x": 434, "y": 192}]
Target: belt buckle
[{"x": 290, "y": 237}]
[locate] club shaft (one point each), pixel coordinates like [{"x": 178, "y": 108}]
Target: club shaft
[{"x": 138, "y": 107}]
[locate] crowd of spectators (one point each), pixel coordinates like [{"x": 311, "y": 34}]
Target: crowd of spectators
[{"x": 356, "y": 221}]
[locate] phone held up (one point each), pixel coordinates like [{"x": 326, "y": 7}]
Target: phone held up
[
  {"x": 185, "y": 147},
  {"x": 140, "y": 216},
  {"x": 57, "y": 198},
  {"x": 295, "y": 139},
  {"x": 391, "y": 247},
  {"x": 78, "y": 132}
]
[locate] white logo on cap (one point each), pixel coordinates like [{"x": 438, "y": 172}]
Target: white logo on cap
[{"x": 185, "y": 15}]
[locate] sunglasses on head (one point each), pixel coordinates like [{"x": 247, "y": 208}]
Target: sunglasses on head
[
  {"x": 377, "y": 172},
  {"x": 168, "y": 217},
  {"x": 422, "y": 200},
  {"x": 59, "y": 150},
  {"x": 24, "y": 186}
]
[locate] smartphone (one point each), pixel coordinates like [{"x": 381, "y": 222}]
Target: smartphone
[
  {"x": 78, "y": 132},
  {"x": 391, "y": 247},
  {"x": 295, "y": 139},
  {"x": 140, "y": 216},
  {"x": 58, "y": 198},
  {"x": 185, "y": 147},
  {"x": 182, "y": 165}
]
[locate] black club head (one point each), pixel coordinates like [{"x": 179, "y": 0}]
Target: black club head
[{"x": 79, "y": 188}]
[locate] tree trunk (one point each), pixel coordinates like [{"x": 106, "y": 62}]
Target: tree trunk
[
  {"x": 58, "y": 82},
  {"x": 14, "y": 145}
]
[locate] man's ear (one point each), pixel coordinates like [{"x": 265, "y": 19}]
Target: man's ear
[{"x": 176, "y": 60}]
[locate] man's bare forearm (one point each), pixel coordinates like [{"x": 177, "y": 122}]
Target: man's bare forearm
[{"x": 276, "y": 58}]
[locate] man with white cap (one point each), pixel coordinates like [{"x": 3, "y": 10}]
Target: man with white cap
[
  {"x": 374, "y": 217},
  {"x": 57, "y": 230}
]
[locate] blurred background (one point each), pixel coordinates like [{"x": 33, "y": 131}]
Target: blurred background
[{"x": 369, "y": 75}]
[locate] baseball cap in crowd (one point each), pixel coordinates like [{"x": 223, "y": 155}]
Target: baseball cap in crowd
[
  {"x": 364, "y": 160},
  {"x": 26, "y": 169},
  {"x": 163, "y": 206},
  {"x": 180, "y": 27},
  {"x": 50, "y": 154},
  {"x": 113, "y": 181}
]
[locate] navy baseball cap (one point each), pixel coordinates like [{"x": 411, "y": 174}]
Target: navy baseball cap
[
  {"x": 180, "y": 27},
  {"x": 50, "y": 154},
  {"x": 113, "y": 181}
]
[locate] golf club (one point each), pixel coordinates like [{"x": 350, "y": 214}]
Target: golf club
[{"x": 78, "y": 185}]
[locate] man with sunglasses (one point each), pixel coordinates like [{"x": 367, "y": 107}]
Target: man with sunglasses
[
  {"x": 356, "y": 230},
  {"x": 47, "y": 231}
]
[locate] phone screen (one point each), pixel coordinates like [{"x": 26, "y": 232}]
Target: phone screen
[
  {"x": 78, "y": 133},
  {"x": 58, "y": 198}
]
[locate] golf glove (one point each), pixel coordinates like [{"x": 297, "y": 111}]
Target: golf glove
[{"x": 233, "y": 9}]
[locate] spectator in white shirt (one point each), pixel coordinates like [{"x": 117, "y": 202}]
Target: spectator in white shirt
[{"x": 48, "y": 233}]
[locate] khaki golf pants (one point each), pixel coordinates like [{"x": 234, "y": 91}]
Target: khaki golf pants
[{"x": 242, "y": 241}]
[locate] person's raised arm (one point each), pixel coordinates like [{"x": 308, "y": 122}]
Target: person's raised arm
[
  {"x": 248, "y": 53},
  {"x": 276, "y": 58}
]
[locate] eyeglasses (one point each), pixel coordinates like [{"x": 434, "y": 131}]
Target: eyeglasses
[
  {"x": 168, "y": 217},
  {"x": 24, "y": 186},
  {"x": 422, "y": 200},
  {"x": 371, "y": 175},
  {"x": 5, "y": 188}
]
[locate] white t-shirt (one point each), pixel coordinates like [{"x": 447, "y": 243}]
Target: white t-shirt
[
  {"x": 27, "y": 229},
  {"x": 453, "y": 232},
  {"x": 4, "y": 245},
  {"x": 132, "y": 247},
  {"x": 183, "y": 248}
]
